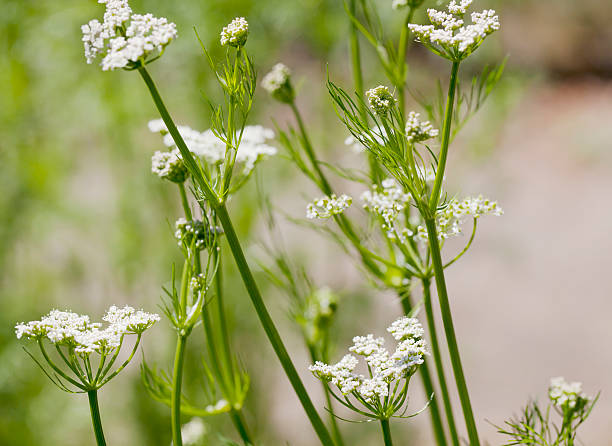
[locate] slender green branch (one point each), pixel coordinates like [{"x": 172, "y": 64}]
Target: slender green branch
[
  {"x": 185, "y": 201},
  {"x": 448, "y": 120},
  {"x": 465, "y": 249},
  {"x": 241, "y": 426},
  {"x": 386, "y": 430},
  {"x": 449, "y": 331},
  {"x": 401, "y": 62},
  {"x": 177, "y": 380},
  {"x": 241, "y": 262},
  {"x": 434, "y": 409},
  {"x": 435, "y": 347},
  {"x": 269, "y": 327},
  {"x": 95, "y": 417}
]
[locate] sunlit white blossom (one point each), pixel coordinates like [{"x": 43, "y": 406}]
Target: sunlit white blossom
[
  {"x": 235, "y": 33},
  {"x": 566, "y": 395},
  {"x": 192, "y": 433},
  {"x": 417, "y": 130},
  {"x": 169, "y": 166},
  {"x": 326, "y": 207},
  {"x": 278, "y": 83},
  {"x": 380, "y": 99}
]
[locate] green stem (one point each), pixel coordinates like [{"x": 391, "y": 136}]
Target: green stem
[
  {"x": 434, "y": 409},
  {"x": 401, "y": 61},
  {"x": 356, "y": 59},
  {"x": 221, "y": 314},
  {"x": 177, "y": 379},
  {"x": 241, "y": 426},
  {"x": 449, "y": 331},
  {"x": 95, "y": 417},
  {"x": 269, "y": 328},
  {"x": 185, "y": 202},
  {"x": 386, "y": 430},
  {"x": 435, "y": 347},
  {"x": 241, "y": 262},
  {"x": 448, "y": 120}
]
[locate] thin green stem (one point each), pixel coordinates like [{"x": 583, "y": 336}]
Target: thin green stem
[
  {"x": 386, "y": 430},
  {"x": 225, "y": 339},
  {"x": 241, "y": 262},
  {"x": 448, "y": 120},
  {"x": 185, "y": 201},
  {"x": 241, "y": 426},
  {"x": 95, "y": 417},
  {"x": 356, "y": 58},
  {"x": 269, "y": 327},
  {"x": 434, "y": 409},
  {"x": 401, "y": 62},
  {"x": 177, "y": 379},
  {"x": 449, "y": 331},
  {"x": 435, "y": 347}
]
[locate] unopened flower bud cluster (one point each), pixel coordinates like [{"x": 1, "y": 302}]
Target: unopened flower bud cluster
[
  {"x": 169, "y": 166},
  {"x": 235, "y": 34},
  {"x": 449, "y": 36},
  {"x": 65, "y": 328},
  {"x": 125, "y": 39},
  {"x": 194, "y": 233},
  {"x": 380, "y": 99},
  {"x": 566, "y": 395},
  {"x": 384, "y": 367},
  {"x": 326, "y": 207},
  {"x": 278, "y": 83}
]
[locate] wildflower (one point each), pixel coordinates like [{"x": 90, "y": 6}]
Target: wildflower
[
  {"x": 327, "y": 207},
  {"x": 398, "y": 4},
  {"x": 566, "y": 395},
  {"x": 235, "y": 34},
  {"x": 417, "y": 130},
  {"x": 193, "y": 432},
  {"x": 194, "y": 233},
  {"x": 278, "y": 83},
  {"x": 383, "y": 367},
  {"x": 169, "y": 166},
  {"x": 449, "y": 36},
  {"x": 386, "y": 203},
  {"x": 126, "y": 40},
  {"x": 157, "y": 126},
  {"x": 380, "y": 99},
  {"x": 128, "y": 320}
]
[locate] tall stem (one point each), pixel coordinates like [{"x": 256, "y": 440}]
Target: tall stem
[
  {"x": 401, "y": 61},
  {"x": 435, "y": 347},
  {"x": 386, "y": 430},
  {"x": 241, "y": 426},
  {"x": 177, "y": 380},
  {"x": 269, "y": 328},
  {"x": 449, "y": 331},
  {"x": 434, "y": 409},
  {"x": 448, "y": 120},
  {"x": 95, "y": 417},
  {"x": 241, "y": 262}
]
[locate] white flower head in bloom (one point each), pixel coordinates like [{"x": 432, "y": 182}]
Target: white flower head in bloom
[
  {"x": 381, "y": 100},
  {"x": 235, "y": 34},
  {"x": 326, "y": 207},
  {"x": 278, "y": 83},
  {"x": 209, "y": 147},
  {"x": 566, "y": 395},
  {"x": 126, "y": 40},
  {"x": 193, "y": 432},
  {"x": 449, "y": 36},
  {"x": 169, "y": 166},
  {"x": 417, "y": 130},
  {"x": 384, "y": 368}
]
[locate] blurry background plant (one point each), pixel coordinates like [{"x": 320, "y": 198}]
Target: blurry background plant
[{"x": 82, "y": 217}]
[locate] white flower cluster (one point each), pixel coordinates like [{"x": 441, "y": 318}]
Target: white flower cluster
[
  {"x": 193, "y": 432},
  {"x": 278, "y": 83},
  {"x": 449, "y": 36},
  {"x": 235, "y": 34},
  {"x": 387, "y": 203},
  {"x": 76, "y": 331},
  {"x": 169, "y": 166},
  {"x": 417, "y": 130},
  {"x": 380, "y": 99},
  {"x": 450, "y": 219},
  {"x": 326, "y": 207},
  {"x": 124, "y": 38},
  {"x": 564, "y": 394},
  {"x": 253, "y": 147},
  {"x": 384, "y": 367}
]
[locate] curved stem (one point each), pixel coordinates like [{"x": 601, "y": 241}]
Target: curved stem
[
  {"x": 434, "y": 409},
  {"x": 95, "y": 417},
  {"x": 449, "y": 331},
  {"x": 241, "y": 262},
  {"x": 448, "y": 120},
  {"x": 386, "y": 430},
  {"x": 464, "y": 250},
  {"x": 435, "y": 347},
  {"x": 177, "y": 379}
]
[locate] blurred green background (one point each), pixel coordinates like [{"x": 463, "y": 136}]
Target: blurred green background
[{"x": 84, "y": 224}]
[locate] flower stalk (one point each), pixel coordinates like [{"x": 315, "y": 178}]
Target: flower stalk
[
  {"x": 95, "y": 417},
  {"x": 386, "y": 430},
  {"x": 177, "y": 379}
]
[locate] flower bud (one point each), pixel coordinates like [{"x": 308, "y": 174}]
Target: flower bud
[
  {"x": 380, "y": 99},
  {"x": 278, "y": 83},
  {"x": 235, "y": 34},
  {"x": 169, "y": 166}
]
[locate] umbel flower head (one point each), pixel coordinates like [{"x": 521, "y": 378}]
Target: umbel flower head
[
  {"x": 567, "y": 396},
  {"x": 81, "y": 338},
  {"x": 169, "y": 166},
  {"x": 417, "y": 130},
  {"x": 235, "y": 33},
  {"x": 380, "y": 99},
  {"x": 449, "y": 36},
  {"x": 278, "y": 83},
  {"x": 126, "y": 40},
  {"x": 194, "y": 233},
  {"x": 326, "y": 207},
  {"x": 383, "y": 392}
]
